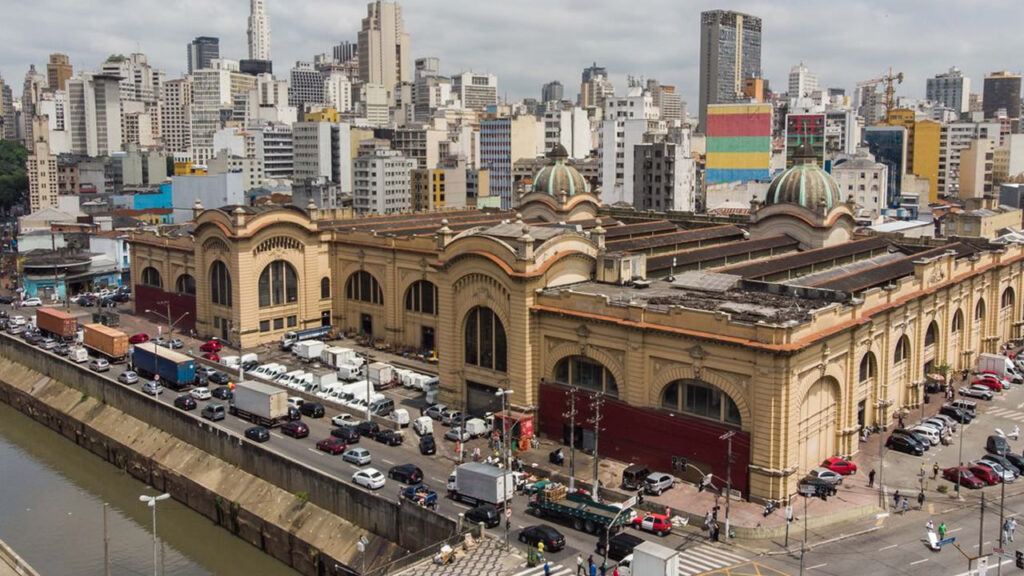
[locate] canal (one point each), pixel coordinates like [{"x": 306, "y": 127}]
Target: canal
[{"x": 51, "y": 512}]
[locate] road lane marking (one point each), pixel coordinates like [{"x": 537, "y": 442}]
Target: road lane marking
[
  {"x": 918, "y": 562},
  {"x": 386, "y": 461},
  {"x": 816, "y": 566},
  {"x": 954, "y": 530},
  {"x": 889, "y": 547}
]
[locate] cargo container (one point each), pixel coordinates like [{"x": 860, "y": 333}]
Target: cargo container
[
  {"x": 56, "y": 323},
  {"x": 172, "y": 369},
  {"x": 292, "y": 336},
  {"x": 108, "y": 342},
  {"x": 260, "y": 403},
  {"x": 478, "y": 483},
  {"x": 309, "y": 350}
]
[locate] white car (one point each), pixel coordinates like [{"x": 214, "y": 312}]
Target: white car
[
  {"x": 344, "y": 420},
  {"x": 928, "y": 432},
  {"x": 357, "y": 456},
  {"x": 201, "y": 393},
  {"x": 31, "y": 302},
  {"x": 370, "y": 478}
]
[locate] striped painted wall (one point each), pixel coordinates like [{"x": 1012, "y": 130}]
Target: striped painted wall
[{"x": 739, "y": 143}]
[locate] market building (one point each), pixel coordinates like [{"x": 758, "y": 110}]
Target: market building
[{"x": 788, "y": 329}]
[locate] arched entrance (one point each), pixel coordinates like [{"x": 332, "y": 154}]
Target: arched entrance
[{"x": 818, "y": 421}]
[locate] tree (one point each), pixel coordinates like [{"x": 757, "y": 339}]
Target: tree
[{"x": 13, "y": 178}]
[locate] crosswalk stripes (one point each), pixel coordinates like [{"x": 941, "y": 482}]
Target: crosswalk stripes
[
  {"x": 700, "y": 559},
  {"x": 1007, "y": 413},
  {"x": 556, "y": 570}
]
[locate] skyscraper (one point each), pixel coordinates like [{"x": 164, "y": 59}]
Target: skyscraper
[
  {"x": 41, "y": 166},
  {"x": 595, "y": 87},
  {"x": 551, "y": 92},
  {"x": 259, "y": 31},
  {"x": 201, "y": 52},
  {"x": 384, "y": 56},
  {"x": 802, "y": 82},
  {"x": 951, "y": 89},
  {"x": 1002, "y": 90},
  {"x": 58, "y": 70},
  {"x": 730, "y": 52}
]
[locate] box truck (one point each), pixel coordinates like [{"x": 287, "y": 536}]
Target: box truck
[
  {"x": 309, "y": 350},
  {"x": 260, "y": 403},
  {"x": 381, "y": 374},
  {"x": 110, "y": 343},
  {"x": 479, "y": 483},
  {"x": 171, "y": 369}
]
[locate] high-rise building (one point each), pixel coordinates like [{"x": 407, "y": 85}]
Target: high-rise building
[
  {"x": 58, "y": 70},
  {"x": 951, "y": 89},
  {"x": 306, "y": 86},
  {"x": 259, "y": 31},
  {"x": 666, "y": 99},
  {"x": 802, "y": 82},
  {"x": 1008, "y": 162},
  {"x": 94, "y": 114},
  {"x": 176, "y": 115},
  {"x": 41, "y": 167},
  {"x": 214, "y": 91},
  {"x": 1002, "y": 91},
  {"x": 202, "y": 52},
  {"x": 345, "y": 51},
  {"x": 323, "y": 150},
  {"x": 595, "y": 87},
  {"x": 503, "y": 141},
  {"x": 382, "y": 183},
  {"x": 32, "y": 94},
  {"x": 272, "y": 144},
  {"x": 571, "y": 129},
  {"x": 430, "y": 90},
  {"x": 955, "y": 138},
  {"x": 384, "y": 55},
  {"x": 730, "y": 52},
  {"x": 552, "y": 91},
  {"x": 8, "y": 116},
  {"x": 739, "y": 146},
  {"x": 976, "y": 167},
  {"x": 888, "y": 144},
  {"x": 664, "y": 177},
  {"x": 476, "y": 91},
  {"x": 338, "y": 91}
]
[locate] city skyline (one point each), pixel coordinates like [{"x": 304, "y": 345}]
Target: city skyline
[{"x": 523, "y": 46}]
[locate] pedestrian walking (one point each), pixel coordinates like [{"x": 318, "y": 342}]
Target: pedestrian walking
[
  {"x": 871, "y": 478},
  {"x": 930, "y": 526},
  {"x": 590, "y": 563},
  {"x": 540, "y": 546},
  {"x": 896, "y": 499},
  {"x": 604, "y": 568},
  {"x": 707, "y": 520},
  {"x": 1013, "y": 527},
  {"x": 615, "y": 571},
  {"x": 714, "y": 531},
  {"x": 935, "y": 471},
  {"x": 593, "y": 569},
  {"x": 547, "y": 568},
  {"x": 920, "y": 500},
  {"x": 579, "y": 565},
  {"x": 1006, "y": 530},
  {"x": 904, "y": 506},
  {"x": 942, "y": 530},
  {"x": 900, "y": 420}
]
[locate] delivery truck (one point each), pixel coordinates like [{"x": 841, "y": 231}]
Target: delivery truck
[
  {"x": 291, "y": 337},
  {"x": 109, "y": 343},
  {"x": 479, "y": 483},
  {"x": 651, "y": 558},
  {"x": 335, "y": 356},
  {"x": 56, "y": 323},
  {"x": 309, "y": 350},
  {"x": 1001, "y": 365},
  {"x": 555, "y": 501},
  {"x": 350, "y": 372},
  {"x": 260, "y": 403},
  {"x": 381, "y": 374},
  {"x": 171, "y": 369}
]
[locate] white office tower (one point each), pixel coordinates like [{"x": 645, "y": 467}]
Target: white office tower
[
  {"x": 802, "y": 83},
  {"x": 94, "y": 114},
  {"x": 382, "y": 183},
  {"x": 951, "y": 89},
  {"x": 338, "y": 91},
  {"x": 259, "y": 31},
  {"x": 176, "y": 115}
]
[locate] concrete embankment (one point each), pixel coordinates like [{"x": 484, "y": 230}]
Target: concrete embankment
[
  {"x": 302, "y": 516},
  {"x": 13, "y": 565}
]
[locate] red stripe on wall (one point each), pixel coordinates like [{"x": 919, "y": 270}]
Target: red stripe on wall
[{"x": 725, "y": 125}]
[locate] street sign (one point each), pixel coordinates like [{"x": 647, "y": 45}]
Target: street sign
[
  {"x": 508, "y": 511},
  {"x": 630, "y": 502},
  {"x": 949, "y": 540}
]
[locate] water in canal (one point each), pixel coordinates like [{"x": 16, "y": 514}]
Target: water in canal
[{"x": 51, "y": 512}]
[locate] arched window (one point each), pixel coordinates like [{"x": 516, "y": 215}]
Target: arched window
[
  {"x": 587, "y": 374},
  {"x": 421, "y": 297},
  {"x": 325, "y": 288},
  {"x": 979, "y": 310},
  {"x": 220, "y": 284},
  {"x": 185, "y": 284},
  {"x": 931, "y": 334},
  {"x": 279, "y": 284},
  {"x": 364, "y": 287},
  {"x": 868, "y": 367},
  {"x": 1007, "y": 300},
  {"x": 902, "y": 350},
  {"x": 702, "y": 399},
  {"x": 958, "y": 322},
  {"x": 485, "y": 341},
  {"x": 151, "y": 277}
]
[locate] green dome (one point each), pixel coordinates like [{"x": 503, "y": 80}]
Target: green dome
[
  {"x": 804, "y": 184},
  {"x": 559, "y": 176}
]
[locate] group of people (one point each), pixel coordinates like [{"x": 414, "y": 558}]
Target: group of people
[
  {"x": 711, "y": 524},
  {"x": 591, "y": 569},
  {"x": 900, "y": 502},
  {"x": 930, "y": 527}
]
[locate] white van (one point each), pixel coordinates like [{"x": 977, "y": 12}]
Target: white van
[
  {"x": 78, "y": 355},
  {"x": 476, "y": 427},
  {"x": 423, "y": 425},
  {"x": 401, "y": 417},
  {"x": 230, "y": 361}
]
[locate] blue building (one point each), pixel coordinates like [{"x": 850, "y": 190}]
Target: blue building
[{"x": 888, "y": 144}]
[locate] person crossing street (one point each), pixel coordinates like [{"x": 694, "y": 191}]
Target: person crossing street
[
  {"x": 942, "y": 530},
  {"x": 579, "y": 565}
]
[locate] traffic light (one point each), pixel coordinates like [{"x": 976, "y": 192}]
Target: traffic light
[{"x": 1020, "y": 559}]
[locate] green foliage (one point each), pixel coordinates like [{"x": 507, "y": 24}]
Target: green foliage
[
  {"x": 301, "y": 498},
  {"x": 13, "y": 178},
  {"x": 942, "y": 488},
  {"x": 117, "y": 58}
]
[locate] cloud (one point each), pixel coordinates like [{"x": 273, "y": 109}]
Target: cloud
[{"x": 530, "y": 42}]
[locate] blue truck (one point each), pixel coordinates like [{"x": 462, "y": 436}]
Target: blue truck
[
  {"x": 171, "y": 369},
  {"x": 292, "y": 336}
]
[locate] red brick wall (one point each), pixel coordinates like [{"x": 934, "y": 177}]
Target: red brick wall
[{"x": 146, "y": 298}]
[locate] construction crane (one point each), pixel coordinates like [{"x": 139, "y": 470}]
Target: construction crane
[{"x": 890, "y": 81}]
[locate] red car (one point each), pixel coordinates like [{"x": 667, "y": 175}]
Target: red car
[
  {"x": 332, "y": 445},
  {"x": 840, "y": 466},
  {"x": 211, "y": 357},
  {"x": 138, "y": 338},
  {"x": 990, "y": 383},
  {"x": 657, "y": 523},
  {"x": 295, "y": 429},
  {"x": 985, "y": 474},
  {"x": 211, "y": 346},
  {"x": 964, "y": 474}
]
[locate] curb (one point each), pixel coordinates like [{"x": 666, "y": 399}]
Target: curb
[{"x": 813, "y": 545}]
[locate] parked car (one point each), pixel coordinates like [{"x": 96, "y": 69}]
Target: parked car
[
  {"x": 991, "y": 383},
  {"x": 435, "y": 411},
  {"x": 212, "y": 357},
  {"x": 347, "y": 433},
  {"x": 904, "y": 444},
  {"x": 153, "y": 387},
  {"x": 553, "y": 539},
  {"x": 406, "y": 474},
  {"x": 658, "y": 482},
  {"x": 332, "y": 445},
  {"x": 963, "y": 475},
  {"x": 485, "y": 513},
  {"x": 223, "y": 393},
  {"x": 185, "y": 402},
  {"x": 389, "y": 437},
  {"x": 810, "y": 486},
  {"x": 925, "y": 443},
  {"x": 161, "y": 341},
  {"x": 369, "y": 478},
  {"x": 928, "y": 433},
  {"x": 985, "y": 471},
  {"x": 844, "y": 467},
  {"x": 138, "y": 338},
  {"x": 957, "y": 414},
  {"x": 976, "y": 391},
  {"x": 449, "y": 418},
  {"x": 1016, "y": 459},
  {"x": 427, "y": 444},
  {"x": 1002, "y": 461},
  {"x": 312, "y": 409},
  {"x": 175, "y": 343},
  {"x": 31, "y": 302},
  {"x": 201, "y": 393},
  {"x": 997, "y": 445},
  {"x": 99, "y": 365},
  {"x": 257, "y": 434},
  {"x": 457, "y": 434},
  {"x": 210, "y": 346},
  {"x": 295, "y": 429},
  {"x": 128, "y": 377},
  {"x": 659, "y": 524},
  {"x": 357, "y": 456},
  {"x": 826, "y": 475}
]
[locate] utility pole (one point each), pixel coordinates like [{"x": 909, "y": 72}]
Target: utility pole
[
  {"x": 728, "y": 476},
  {"x": 571, "y": 415},
  {"x": 789, "y": 518},
  {"x": 882, "y": 404},
  {"x": 106, "y": 541},
  {"x": 1002, "y": 532},
  {"x": 596, "y": 421},
  {"x": 803, "y": 543}
]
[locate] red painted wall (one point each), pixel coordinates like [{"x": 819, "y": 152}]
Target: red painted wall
[
  {"x": 649, "y": 436},
  {"x": 146, "y": 298},
  {"x": 726, "y": 125}
]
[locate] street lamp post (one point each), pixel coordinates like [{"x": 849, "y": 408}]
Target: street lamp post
[
  {"x": 170, "y": 325},
  {"x": 571, "y": 415},
  {"x": 728, "y": 476},
  {"x": 151, "y": 502},
  {"x": 505, "y": 442},
  {"x": 882, "y": 405},
  {"x": 596, "y": 421}
]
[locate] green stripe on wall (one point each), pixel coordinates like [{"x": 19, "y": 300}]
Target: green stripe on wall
[{"x": 739, "y": 144}]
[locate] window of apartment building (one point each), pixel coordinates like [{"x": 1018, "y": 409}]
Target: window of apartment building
[{"x": 264, "y": 325}]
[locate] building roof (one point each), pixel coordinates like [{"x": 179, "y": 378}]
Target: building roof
[
  {"x": 559, "y": 176},
  {"x": 804, "y": 184}
]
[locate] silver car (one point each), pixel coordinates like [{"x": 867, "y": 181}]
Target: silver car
[
  {"x": 357, "y": 456},
  {"x": 128, "y": 377}
]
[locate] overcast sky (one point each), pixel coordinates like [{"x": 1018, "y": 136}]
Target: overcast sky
[{"x": 530, "y": 42}]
